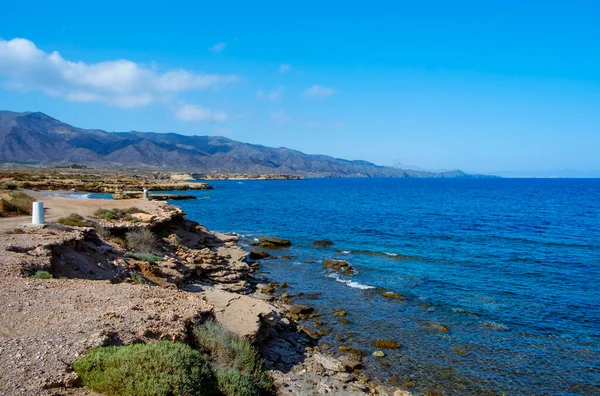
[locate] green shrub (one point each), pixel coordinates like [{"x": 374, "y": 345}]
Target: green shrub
[
  {"x": 149, "y": 257},
  {"x": 25, "y": 185},
  {"x": 233, "y": 383},
  {"x": 137, "y": 278},
  {"x": 142, "y": 240},
  {"x": 42, "y": 275},
  {"x": 73, "y": 220},
  {"x": 106, "y": 214},
  {"x": 131, "y": 210},
  {"x": 163, "y": 368},
  {"x": 228, "y": 351}
]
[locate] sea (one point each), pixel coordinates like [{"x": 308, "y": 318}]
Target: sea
[{"x": 500, "y": 277}]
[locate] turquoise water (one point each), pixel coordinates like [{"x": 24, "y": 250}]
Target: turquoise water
[{"x": 510, "y": 267}]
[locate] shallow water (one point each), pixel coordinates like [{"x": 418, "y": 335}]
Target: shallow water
[{"x": 510, "y": 266}]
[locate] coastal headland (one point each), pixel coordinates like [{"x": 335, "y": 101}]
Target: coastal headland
[{"x": 120, "y": 272}]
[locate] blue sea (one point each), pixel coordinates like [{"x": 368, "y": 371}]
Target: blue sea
[{"x": 509, "y": 267}]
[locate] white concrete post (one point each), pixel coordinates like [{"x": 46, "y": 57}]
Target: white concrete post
[
  {"x": 37, "y": 214},
  {"x": 145, "y": 193}
]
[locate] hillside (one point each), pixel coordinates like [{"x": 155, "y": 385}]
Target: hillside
[{"x": 38, "y": 138}]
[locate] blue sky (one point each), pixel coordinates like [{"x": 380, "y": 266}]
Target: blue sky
[{"x": 499, "y": 87}]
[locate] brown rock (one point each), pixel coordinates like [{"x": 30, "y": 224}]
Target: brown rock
[
  {"x": 390, "y": 344},
  {"x": 273, "y": 243},
  {"x": 322, "y": 243},
  {"x": 257, "y": 254}
]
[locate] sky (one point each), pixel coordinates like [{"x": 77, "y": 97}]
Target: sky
[{"x": 503, "y": 87}]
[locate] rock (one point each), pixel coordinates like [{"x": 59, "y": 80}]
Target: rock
[
  {"x": 300, "y": 309},
  {"x": 143, "y": 217},
  {"x": 266, "y": 288},
  {"x": 173, "y": 241},
  {"x": 440, "y": 327},
  {"x": 393, "y": 295},
  {"x": 287, "y": 257},
  {"x": 378, "y": 354},
  {"x": 400, "y": 392},
  {"x": 322, "y": 243},
  {"x": 345, "y": 377},
  {"x": 273, "y": 243},
  {"x": 338, "y": 265},
  {"x": 350, "y": 350},
  {"x": 340, "y": 313},
  {"x": 257, "y": 254},
  {"x": 390, "y": 344},
  {"x": 329, "y": 363}
]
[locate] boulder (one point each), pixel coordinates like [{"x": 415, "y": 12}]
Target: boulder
[
  {"x": 273, "y": 243},
  {"x": 322, "y": 243},
  {"x": 257, "y": 254},
  {"x": 329, "y": 363},
  {"x": 378, "y": 354}
]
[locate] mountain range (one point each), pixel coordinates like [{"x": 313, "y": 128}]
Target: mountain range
[{"x": 36, "y": 138}]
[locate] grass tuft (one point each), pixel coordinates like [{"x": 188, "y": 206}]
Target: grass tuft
[
  {"x": 73, "y": 220},
  {"x": 162, "y": 368},
  {"x": 42, "y": 275},
  {"x": 148, "y": 257}
]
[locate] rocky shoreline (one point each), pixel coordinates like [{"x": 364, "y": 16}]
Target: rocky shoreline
[{"x": 102, "y": 295}]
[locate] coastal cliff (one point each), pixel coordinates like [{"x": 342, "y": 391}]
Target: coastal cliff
[{"x": 102, "y": 289}]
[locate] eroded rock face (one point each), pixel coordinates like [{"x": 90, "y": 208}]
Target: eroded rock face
[{"x": 273, "y": 243}]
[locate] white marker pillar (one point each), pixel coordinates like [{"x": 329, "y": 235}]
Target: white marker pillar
[
  {"x": 37, "y": 213},
  {"x": 145, "y": 193}
]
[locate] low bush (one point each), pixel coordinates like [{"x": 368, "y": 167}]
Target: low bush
[
  {"x": 148, "y": 257},
  {"x": 8, "y": 186},
  {"x": 106, "y": 214},
  {"x": 19, "y": 203},
  {"x": 118, "y": 214},
  {"x": 233, "y": 383},
  {"x": 163, "y": 368},
  {"x": 229, "y": 352},
  {"x": 42, "y": 275},
  {"x": 143, "y": 240},
  {"x": 15, "y": 231},
  {"x": 73, "y": 220},
  {"x": 25, "y": 185}
]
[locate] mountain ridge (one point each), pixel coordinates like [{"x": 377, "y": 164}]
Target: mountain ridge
[{"x": 37, "y": 137}]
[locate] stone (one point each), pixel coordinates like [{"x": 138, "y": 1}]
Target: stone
[
  {"x": 173, "y": 241},
  {"x": 257, "y": 254},
  {"x": 378, "y": 354},
  {"x": 399, "y": 392},
  {"x": 273, "y": 243},
  {"x": 322, "y": 243},
  {"x": 390, "y": 344},
  {"x": 340, "y": 313}
]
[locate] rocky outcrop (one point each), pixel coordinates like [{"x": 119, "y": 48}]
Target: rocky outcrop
[{"x": 322, "y": 243}]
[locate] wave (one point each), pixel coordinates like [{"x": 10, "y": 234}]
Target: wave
[
  {"x": 395, "y": 256},
  {"x": 350, "y": 283},
  {"x": 80, "y": 196}
]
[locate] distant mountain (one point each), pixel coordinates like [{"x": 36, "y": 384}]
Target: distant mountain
[{"x": 37, "y": 138}]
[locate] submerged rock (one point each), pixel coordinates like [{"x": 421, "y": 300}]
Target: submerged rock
[
  {"x": 390, "y": 344},
  {"x": 378, "y": 354},
  {"x": 340, "y": 313},
  {"x": 392, "y": 295},
  {"x": 273, "y": 243},
  {"x": 322, "y": 243}
]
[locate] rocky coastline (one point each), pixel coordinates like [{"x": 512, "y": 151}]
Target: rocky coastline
[{"x": 102, "y": 293}]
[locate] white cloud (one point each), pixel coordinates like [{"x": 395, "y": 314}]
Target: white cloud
[
  {"x": 219, "y": 47},
  {"x": 272, "y": 96},
  {"x": 194, "y": 113},
  {"x": 284, "y": 68},
  {"x": 120, "y": 83},
  {"x": 318, "y": 91},
  {"x": 280, "y": 117}
]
